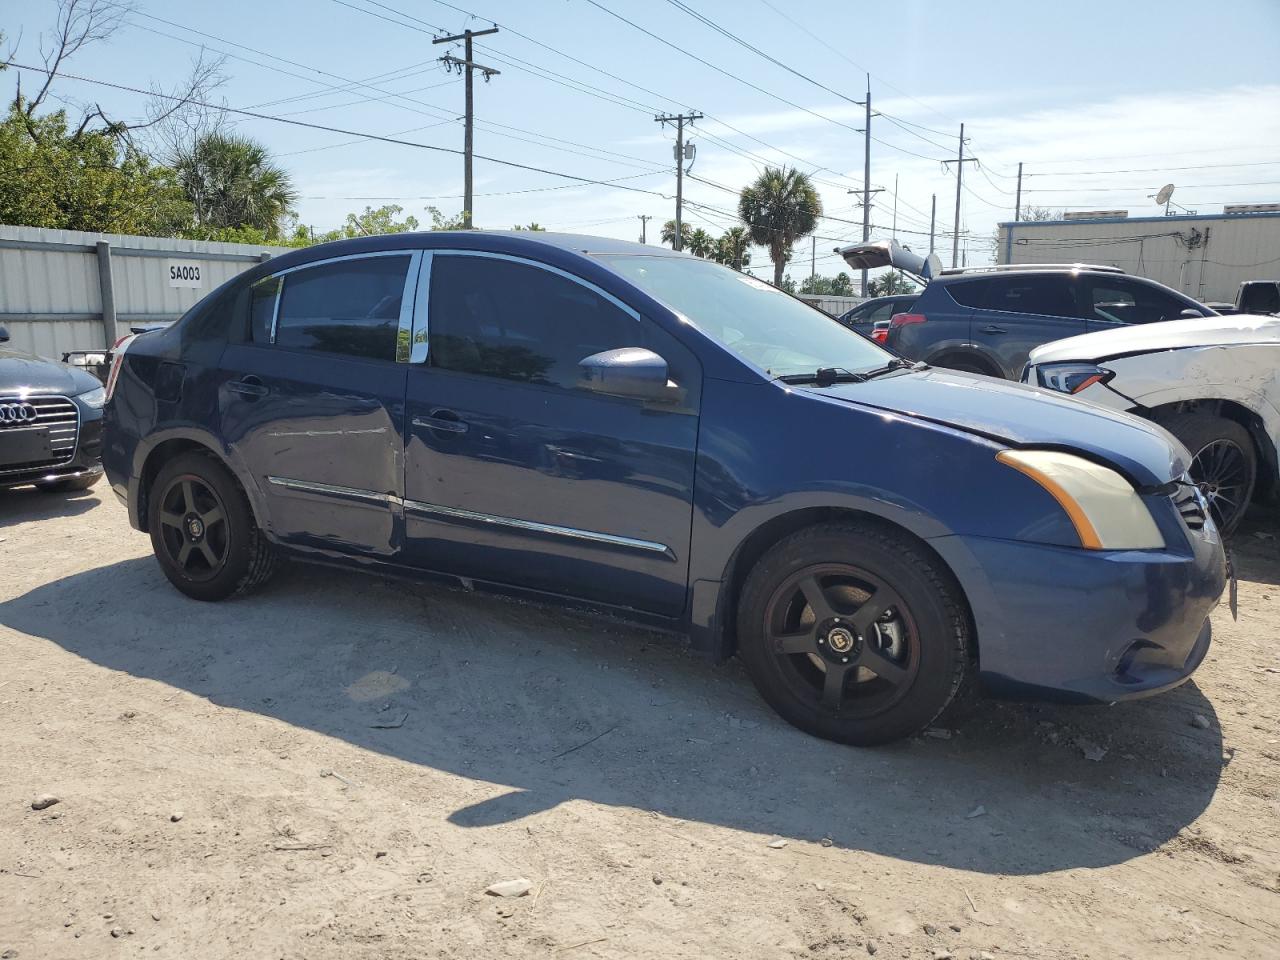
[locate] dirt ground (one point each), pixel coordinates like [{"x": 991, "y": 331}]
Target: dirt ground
[{"x": 339, "y": 766}]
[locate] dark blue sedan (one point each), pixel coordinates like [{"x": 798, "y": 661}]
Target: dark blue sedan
[{"x": 649, "y": 433}]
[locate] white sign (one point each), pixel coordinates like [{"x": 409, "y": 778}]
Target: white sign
[{"x": 185, "y": 273}]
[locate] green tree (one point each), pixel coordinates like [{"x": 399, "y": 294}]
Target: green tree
[
  {"x": 700, "y": 243},
  {"x": 890, "y": 284},
  {"x": 669, "y": 234},
  {"x": 51, "y": 176},
  {"x": 377, "y": 222},
  {"x": 841, "y": 285},
  {"x": 440, "y": 222},
  {"x": 733, "y": 249},
  {"x": 534, "y": 227},
  {"x": 779, "y": 208},
  {"x": 231, "y": 181}
]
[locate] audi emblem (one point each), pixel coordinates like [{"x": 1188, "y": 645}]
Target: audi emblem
[{"x": 12, "y": 414}]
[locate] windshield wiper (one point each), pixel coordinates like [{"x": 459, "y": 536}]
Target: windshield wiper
[{"x": 826, "y": 376}]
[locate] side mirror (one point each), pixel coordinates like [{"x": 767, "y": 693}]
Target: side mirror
[
  {"x": 1190, "y": 314},
  {"x": 4, "y": 334},
  {"x": 628, "y": 372}
]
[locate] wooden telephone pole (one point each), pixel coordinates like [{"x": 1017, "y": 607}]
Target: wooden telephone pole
[{"x": 466, "y": 66}]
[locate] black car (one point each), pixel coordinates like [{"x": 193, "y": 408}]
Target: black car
[
  {"x": 988, "y": 319},
  {"x": 50, "y": 423},
  {"x": 864, "y": 317}
]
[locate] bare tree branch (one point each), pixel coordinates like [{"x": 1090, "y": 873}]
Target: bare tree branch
[{"x": 80, "y": 23}]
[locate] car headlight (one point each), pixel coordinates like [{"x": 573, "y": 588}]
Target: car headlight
[
  {"x": 1104, "y": 508},
  {"x": 1072, "y": 377},
  {"x": 93, "y": 399}
]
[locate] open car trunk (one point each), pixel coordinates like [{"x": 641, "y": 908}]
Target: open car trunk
[{"x": 890, "y": 253}]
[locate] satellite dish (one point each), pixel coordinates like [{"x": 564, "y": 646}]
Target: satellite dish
[{"x": 1165, "y": 193}]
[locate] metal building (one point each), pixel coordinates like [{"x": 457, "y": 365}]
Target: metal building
[
  {"x": 65, "y": 290},
  {"x": 1204, "y": 256}
]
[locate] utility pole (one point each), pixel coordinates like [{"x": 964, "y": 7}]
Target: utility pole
[
  {"x": 679, "y": 119},
  {"x": 959, "y": 161},
  {"x": 894, "y": 232},
  {"x": 1017, "y": 202},
  {"x": 933, "y": 220},
  {"x": 466, "y": 66},
  {"x": 644, "y": 222},
  {"x": 866, "y": 177},
  {"x": 813, "y": 258}
]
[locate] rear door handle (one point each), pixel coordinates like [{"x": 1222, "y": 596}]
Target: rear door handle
[
  {"x": 992, "y": 328},
  {"x": 445, "y": 420},
  {"x": 249, "y": 386}
]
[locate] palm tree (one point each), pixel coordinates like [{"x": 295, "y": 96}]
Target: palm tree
[
  {"x": 669, "y": 233},
  {"x": 700, "y": 244},
  {"x": 779, "y": 208},
  {"x": 231, "y": 182},
  {"x": 733, "y": 248}
]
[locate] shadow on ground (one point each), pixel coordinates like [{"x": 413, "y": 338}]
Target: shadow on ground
[
  {"x": 27, "y": 504},
  {"x": 560, "y": 706}
]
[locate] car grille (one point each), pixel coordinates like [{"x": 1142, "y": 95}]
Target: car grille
[
  {"x": 1190, "y": 506},
  {"x": 57, "y": 418}
]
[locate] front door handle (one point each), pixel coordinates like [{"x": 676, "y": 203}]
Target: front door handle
[
  {"x": 445, "y": 420},
  {"x": 249, "y": 386},
  {"x": 992, "y": 328}
]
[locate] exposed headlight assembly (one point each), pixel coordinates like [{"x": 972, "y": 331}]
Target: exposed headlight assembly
[
  {"x": 94, "y": 399},
  {"x": 1072, "y": 377},
  {"x": 1104, "y": 508}
]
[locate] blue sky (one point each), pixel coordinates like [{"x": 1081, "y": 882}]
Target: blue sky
[{"x": 1080, "y": 93}]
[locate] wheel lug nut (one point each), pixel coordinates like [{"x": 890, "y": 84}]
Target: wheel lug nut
[{"x": 844, "y": 659}]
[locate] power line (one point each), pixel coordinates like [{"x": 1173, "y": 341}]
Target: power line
[
  {"x": 1197, "y": 166},
  {"x": 1188, "y": 186}
]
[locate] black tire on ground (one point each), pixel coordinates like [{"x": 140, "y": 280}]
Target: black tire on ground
[
  {"x": 905, "y": 632},
  {"x": 69, "y": 485},
  {"x": 229, "y": 555},
  {"x": 1224, "y": 463}
]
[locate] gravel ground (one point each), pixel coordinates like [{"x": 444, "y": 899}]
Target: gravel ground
[{"x": 339, "y": 766}]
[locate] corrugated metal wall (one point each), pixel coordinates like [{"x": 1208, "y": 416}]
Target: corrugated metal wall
[
  {"x": 51, "y": 292},
  {"x": 1205, "y": 257}
]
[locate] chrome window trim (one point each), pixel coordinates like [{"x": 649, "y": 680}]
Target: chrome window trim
[
  {"x": 533, "y": 526},
  {"x": 404, "y": 331},
  {"x": 422, "y": 320},
  {"x": 406, "y": 316},
  {"x": 309, "y": 486},
  {"x": 421, "y": 301}
]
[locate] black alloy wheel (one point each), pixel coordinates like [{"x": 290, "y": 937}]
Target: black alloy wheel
[
  {"x": 844, "y": 639},
  {"x": 1224, "y": 474},
  {"x": 194, "y": 528}
]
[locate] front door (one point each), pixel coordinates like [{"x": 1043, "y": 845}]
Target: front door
[
  {"x": 312, "y": 402},
  {"x": 516, "y": 474},
  {"x": 1020, "y": 311}
]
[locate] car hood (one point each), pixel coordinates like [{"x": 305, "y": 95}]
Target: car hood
[
  {"x": 26, "y": 372},
  {"x": 1022, "y": 416},
  {"x": 1169, "y": 335}
]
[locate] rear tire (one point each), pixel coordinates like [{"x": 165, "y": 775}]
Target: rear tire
[
  {"x": 854, "y": 633},
  {"x": 1224, "y": 463},
  {"x": 203, "y": 531},
  {"x": 70, "y": 485}
]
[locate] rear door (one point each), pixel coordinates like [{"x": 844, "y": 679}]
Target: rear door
[
  {"x": 313, "y": 401},
  {"x": 514, "y": 472},
  {"x": 1020, "y": 311}
]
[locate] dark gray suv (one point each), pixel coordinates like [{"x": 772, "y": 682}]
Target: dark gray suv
[{"x": 987, "y": 319}]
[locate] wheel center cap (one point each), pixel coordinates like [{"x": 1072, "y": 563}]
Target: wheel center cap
[
  {"x": 195, "y": 527},
  {"x": 841, "y": 640}
]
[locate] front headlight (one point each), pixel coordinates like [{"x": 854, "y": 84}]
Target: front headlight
[
  {"x": 93, "y": 399},
  {"x": 1104, "y": 508},
  {"x": 1072, "y": 377}
]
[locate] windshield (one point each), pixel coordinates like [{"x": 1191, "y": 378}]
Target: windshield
[{"x": 758, "y": 322}]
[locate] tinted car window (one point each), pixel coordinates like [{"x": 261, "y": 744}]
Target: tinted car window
[
  {"x": 262, "y": 308},
  {"x": 969, "y": 293},
  {"x": 884, "y": 311},
  {"x": 1042, "y": 294},
  {"x": 519, "y": 322},
  {"x": 350, "y": 307},
  {"x": 1120, "y": 300}
]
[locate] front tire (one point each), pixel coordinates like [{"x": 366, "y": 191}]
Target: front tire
[
  {"x": 854, "y": 633},
  {"x": 1224, "y": 463},
  {"x": 203, "y": 531}
]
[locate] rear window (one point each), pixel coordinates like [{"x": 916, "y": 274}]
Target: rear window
[
  {"x": 969, "y": 293},
  {"x": 1043, "y": 294}
]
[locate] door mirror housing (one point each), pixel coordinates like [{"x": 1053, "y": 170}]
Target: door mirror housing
[
  {"x": 1191, "y": 314},
  {"x": 4, "y": 334},
  {"x": 629, "y": 372}
]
